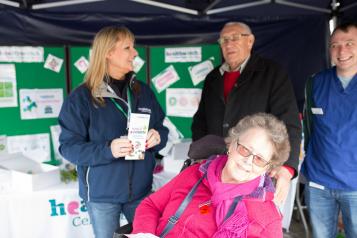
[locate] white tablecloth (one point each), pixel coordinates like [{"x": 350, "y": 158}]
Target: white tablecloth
[{"x": 56, "y": 212}]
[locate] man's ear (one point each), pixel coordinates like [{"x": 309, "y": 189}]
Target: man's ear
[{"x": 251, "y": 39}]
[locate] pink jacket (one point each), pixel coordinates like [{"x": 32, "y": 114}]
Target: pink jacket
[{"x": 198, "y": 220}]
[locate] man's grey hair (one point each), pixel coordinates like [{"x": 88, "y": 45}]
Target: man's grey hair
[{"x": 241, "y": 24}]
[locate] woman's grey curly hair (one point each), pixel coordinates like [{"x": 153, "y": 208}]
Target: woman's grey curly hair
[{"x": 275, "y": 130}]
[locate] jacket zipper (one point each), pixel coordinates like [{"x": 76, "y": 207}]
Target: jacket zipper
[
  {"x": 130, "y": 171},
  {"x": 87, "y": 181}
]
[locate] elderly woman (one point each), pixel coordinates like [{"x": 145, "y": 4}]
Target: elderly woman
[{"x": 234, "y": 198}]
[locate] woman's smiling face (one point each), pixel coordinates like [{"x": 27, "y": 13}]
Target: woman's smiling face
[
  {"x": 253, "y": 144},
  {"x": 120, "y": 59}
]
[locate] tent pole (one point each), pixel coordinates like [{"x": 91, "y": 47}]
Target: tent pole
[
  {"x": 210, "y": 6},
  {"x": 238, "y": 6},
  {"x": 10, "y": 3},
  {"x": 167, "y": 6},
  {"x": 303, "y": 6},
  {"x": 61, "y": 3},
  {"x": 333, "y": 22},
  {"x": 348, "y": 7}
]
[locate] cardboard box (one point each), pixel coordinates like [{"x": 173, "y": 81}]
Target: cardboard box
[{"x": 29, "y": 175}]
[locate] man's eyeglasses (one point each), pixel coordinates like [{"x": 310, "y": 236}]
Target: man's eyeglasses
[
  {"x": 233, "y": 38},
  {"x": 257, "y": 159}
]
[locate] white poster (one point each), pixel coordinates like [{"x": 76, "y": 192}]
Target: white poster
[
  {"x": 182, "y": 102},
  {"x": 36, "y": 146},
  {"x": 138, "y": 63},
  {"x": 183, "y": 54},
  {"x": 53, "y": 63},
  {"x": 165, "y": 78},
  {"x": 26, "y": 54},
  {"x": 199, "y": 71},
  {"x": 55, "y": 132},
  {"x": 8, "y": 90},
  {"x": 174, "y": 136},
  {"x": 82, "y": 64},
  {"x": 40, "y": 103}
]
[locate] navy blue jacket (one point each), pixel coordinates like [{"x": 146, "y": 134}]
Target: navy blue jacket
[{"x": 87, "y": 130}]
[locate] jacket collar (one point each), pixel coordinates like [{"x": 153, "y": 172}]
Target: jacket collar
[
  {"x": 225, "y": 67},
  {"x": 105, "y": 91},
  {"x": 254, "y": 63}
]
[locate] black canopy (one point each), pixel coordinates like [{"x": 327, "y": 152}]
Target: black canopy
[{"x": 294, "y": 33}]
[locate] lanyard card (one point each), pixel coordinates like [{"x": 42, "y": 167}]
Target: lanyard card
[{"x": 138, "y": 130}]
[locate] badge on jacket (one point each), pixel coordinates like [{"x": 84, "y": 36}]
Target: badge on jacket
[
  {"x": 205, "y": 207},
  {"x": 317, "y": 111}
]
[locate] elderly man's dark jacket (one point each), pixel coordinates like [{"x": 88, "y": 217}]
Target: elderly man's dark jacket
[{"x": 262, "y": 87}]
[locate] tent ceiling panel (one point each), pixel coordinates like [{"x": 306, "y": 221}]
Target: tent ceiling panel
[{"x": 193, "y": 7}]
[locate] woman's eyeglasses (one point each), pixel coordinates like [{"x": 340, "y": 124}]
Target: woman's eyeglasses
[{"x": 257, "y": 159}]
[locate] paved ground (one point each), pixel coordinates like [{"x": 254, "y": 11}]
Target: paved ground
[{"x": 297, "y": 229}]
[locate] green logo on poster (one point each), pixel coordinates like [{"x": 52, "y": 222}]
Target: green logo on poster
[{"x": 172, "y": 101}]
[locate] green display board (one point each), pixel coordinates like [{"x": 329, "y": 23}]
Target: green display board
[
  {"x": 31, "y": 73},
  {"x": 165, "y": 61},
  {"x": 77, "y": 65}
]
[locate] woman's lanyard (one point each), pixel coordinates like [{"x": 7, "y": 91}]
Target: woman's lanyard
[{"x": 128, "y": 104}]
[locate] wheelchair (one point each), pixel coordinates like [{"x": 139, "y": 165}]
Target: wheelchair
[{"x": 199, "y": 150}]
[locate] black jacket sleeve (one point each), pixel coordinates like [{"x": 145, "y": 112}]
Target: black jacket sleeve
[{"x": 283, "y": 105}]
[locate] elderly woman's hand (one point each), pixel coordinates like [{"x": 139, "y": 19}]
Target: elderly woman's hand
[
  {"x": 283, "y": 177},
  {"x": 153, "y": 138}
]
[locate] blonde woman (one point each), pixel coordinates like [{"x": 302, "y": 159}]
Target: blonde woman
[{"x": 94, "y": 122}]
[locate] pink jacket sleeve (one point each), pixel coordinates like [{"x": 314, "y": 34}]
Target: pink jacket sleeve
[
  {"x": 150, "y": 210},
  {"x": 273, "y": 230},
  {"x": 266, "y": 219}
]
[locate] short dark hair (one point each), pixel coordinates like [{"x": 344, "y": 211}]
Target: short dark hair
[{"x": 344, "y": 27}]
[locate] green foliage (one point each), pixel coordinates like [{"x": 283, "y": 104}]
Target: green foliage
[
  {"x": 340, "y": 235},
  {"x": 68, "y": 175}
]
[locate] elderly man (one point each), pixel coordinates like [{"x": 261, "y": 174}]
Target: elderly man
[
  {"x": 330, "y": 165},
  {"x": 243, "y": 85}
]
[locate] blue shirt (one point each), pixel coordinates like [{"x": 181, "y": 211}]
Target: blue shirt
[{"x": 331, "y": 158}]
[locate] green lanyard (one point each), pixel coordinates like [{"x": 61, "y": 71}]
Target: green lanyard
[
  {"x": 128, "y": 93},
  {"x": 120, "y": 108}
]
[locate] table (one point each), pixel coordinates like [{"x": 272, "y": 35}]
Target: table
[{"x": 56, "y": 212}]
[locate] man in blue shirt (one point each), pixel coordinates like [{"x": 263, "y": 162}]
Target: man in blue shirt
[{"x": 330, "y": 164}]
